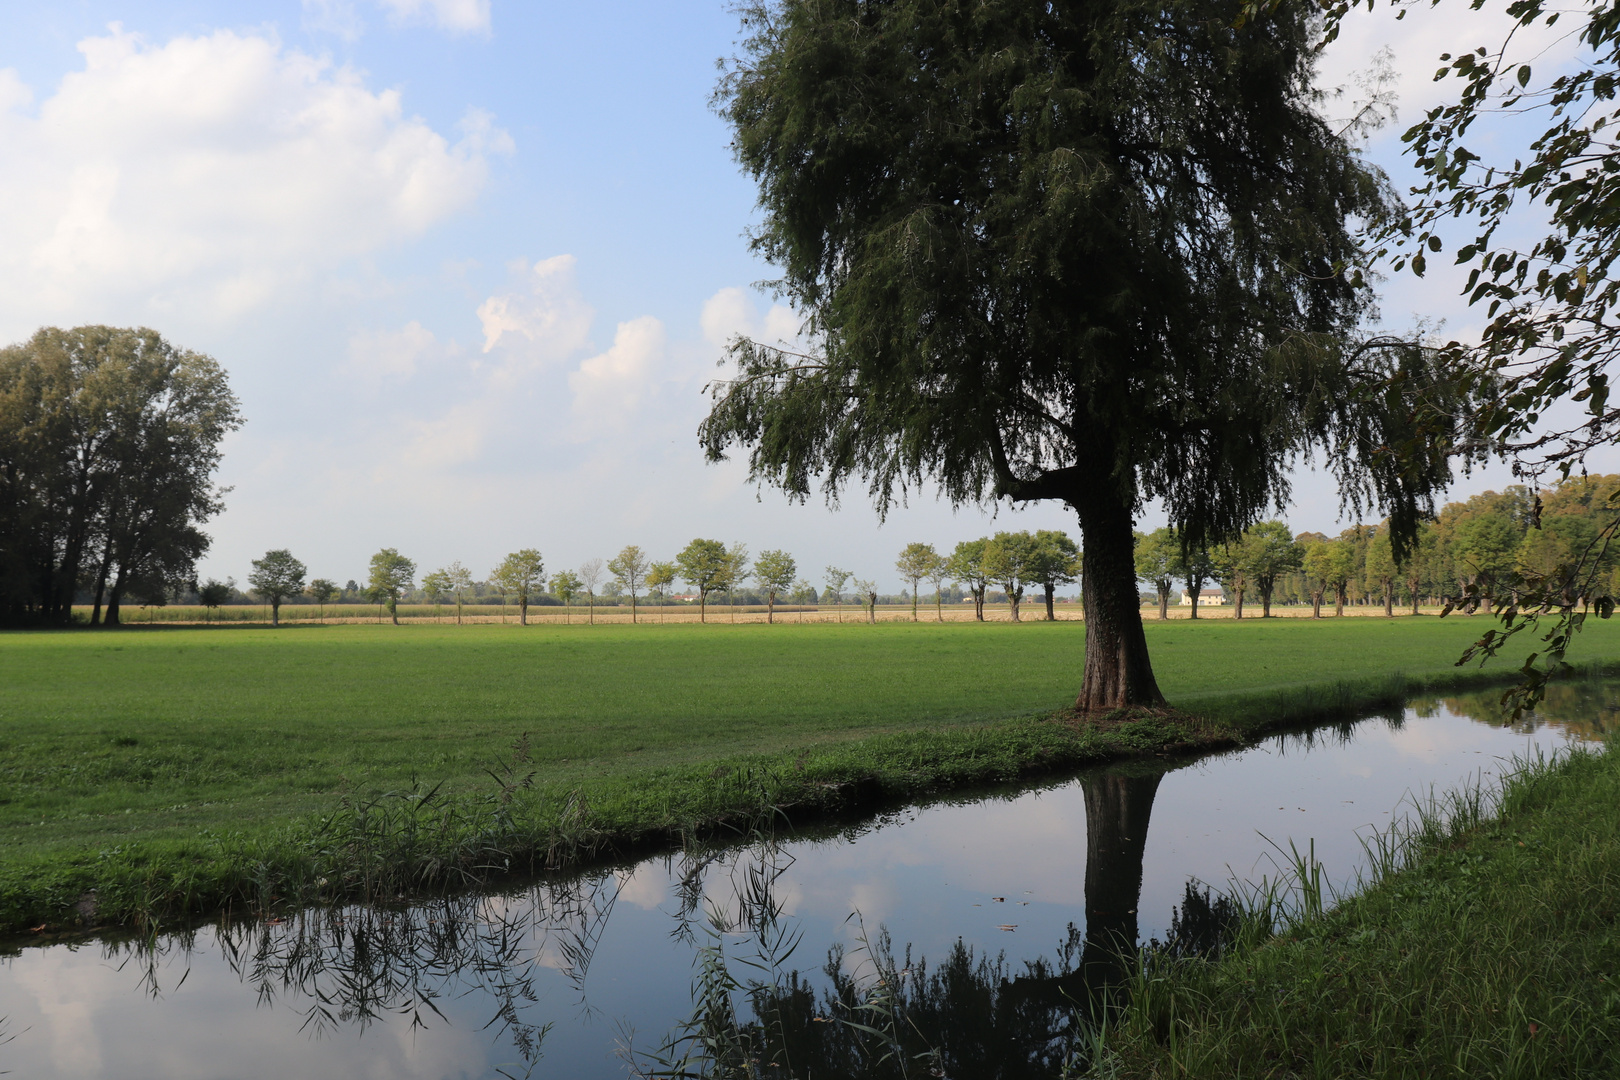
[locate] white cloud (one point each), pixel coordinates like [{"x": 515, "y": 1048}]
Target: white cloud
[
  {"x": 337, "y": 17},
  {"x": 461, "y": 16},
  {"x": 614, "y": 383},
  {"x": 733, "y": 311},
  {"x": 548, "y": 312},
  {"x": 207, "y": 173},
  {"x": 396, "y": 354}
]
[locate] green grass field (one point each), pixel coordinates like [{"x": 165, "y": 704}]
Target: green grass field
[{"x": 113, "y": 739}]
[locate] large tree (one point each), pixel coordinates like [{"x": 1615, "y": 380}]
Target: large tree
[
  {"x": 109, "y": 439},
  {"x": 1092, "y": 252}
]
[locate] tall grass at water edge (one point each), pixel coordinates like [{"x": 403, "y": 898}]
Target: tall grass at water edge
[{"x": 1482, "y": 940}]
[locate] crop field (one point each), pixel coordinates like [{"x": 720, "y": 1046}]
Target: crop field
[{"x": 111, "y": 736}]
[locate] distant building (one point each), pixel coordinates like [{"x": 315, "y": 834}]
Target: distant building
[{"x": 1206, "y": 597}]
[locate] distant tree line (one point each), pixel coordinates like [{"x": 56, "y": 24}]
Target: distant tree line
[
  {"x": 1477, "y": 553},
  {"x": 1009, "y": 561},
  {"x": 109, "y": 439}
]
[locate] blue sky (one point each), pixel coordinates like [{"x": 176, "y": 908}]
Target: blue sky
[{"x": 468, "y": 262}]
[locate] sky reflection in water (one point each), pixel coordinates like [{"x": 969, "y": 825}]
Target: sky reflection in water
[{"x": 558, "y": 976}]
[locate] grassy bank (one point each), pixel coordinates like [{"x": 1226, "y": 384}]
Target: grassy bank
[
  {"x": 173, "y": 771},
  {"x": 1494, "y": 952}
]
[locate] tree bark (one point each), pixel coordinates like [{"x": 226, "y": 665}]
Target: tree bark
[
  {"x": 1051, "y": 615},
  {"x": 1118, "y": 671},
  {"x": 770, "y": 609},
  {"x": 1237, "y": 602},
  {"x": 1164, "y": 605},
  {"x": 523, "y": 611},
  {"x": 275, "y": 611},
  {"x": 1389, "y": 601},
  {"x": 1316, "y": 604},
  {"x": 1338, "y": 602}
]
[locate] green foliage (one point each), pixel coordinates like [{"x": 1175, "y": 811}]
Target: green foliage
[
  {"x": 391, "y": 575},
  {"x": 214, "y": 593},
  {"x": 275, "y": 577},
  {"x": 775, "y": 572},
  {"x": 1159, "y": 562},
  {"x": 705, "y": 565},
  {"x": 565, "y": 586},
  {"x": 520, "y": 574},
  {"x": 109, "y": 439},
  {"x": 629, "y": 568},
  {"x": 321, "y": 590},
  {"x": 917, "y": 562}
]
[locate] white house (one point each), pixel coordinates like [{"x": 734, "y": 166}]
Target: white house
[{"x": 1206, "y": 597}]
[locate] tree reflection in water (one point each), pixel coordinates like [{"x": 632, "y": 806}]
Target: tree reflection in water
[
  {"x": 1587, "y": 709},
  {"x": 872, "y": 1012},
  {"x": 880, "y": 1015}
]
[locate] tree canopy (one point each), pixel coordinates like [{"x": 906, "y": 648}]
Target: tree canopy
[
  {"x": 1099, "y": 253},
  {"x": 109, "y": 439},
  {"x": 275, "y": 577}
]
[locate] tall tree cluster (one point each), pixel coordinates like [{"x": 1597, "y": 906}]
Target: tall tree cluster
[{"x": 109, "y": 440}]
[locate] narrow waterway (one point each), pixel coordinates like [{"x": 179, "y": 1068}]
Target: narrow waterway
[{"x": 993, "y": 904}]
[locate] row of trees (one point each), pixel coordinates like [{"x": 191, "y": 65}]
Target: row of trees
[
  {"x": 1484, "y": 548},
  {"x": 109, "y": 439},
  {"x": 1013, "y": 561}
]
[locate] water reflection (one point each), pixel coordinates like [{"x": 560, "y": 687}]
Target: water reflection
[
  {"x": 1584, "y": 709},
  {"x": 1019, "y": 904}
]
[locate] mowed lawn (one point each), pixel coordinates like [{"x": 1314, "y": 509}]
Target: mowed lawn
[{"x": 106, "y": 736}]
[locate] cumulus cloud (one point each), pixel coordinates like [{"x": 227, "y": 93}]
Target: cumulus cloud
[
  {"x": 733, "y": 311},
  {"x": 209, "y": 171},
  {"x": 546, "y": 311},
  {"x": 614, "y": 383},
  {"x": 460, "y": 16}
]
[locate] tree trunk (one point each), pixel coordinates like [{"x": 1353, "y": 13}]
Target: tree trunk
[
  {"x": 914, "y": 601},
  {"x": 1265, "y": 602},
  {"x": 1389, "y": 601},
  {"x": 101, "y": 584},
  {"x": 1316, "y": 604},
  {"x": 703, "y": 607},
  {"x": 1338, "y": 602},
  {"x": 275, "y": 611},
  {"x": 523, "y": 611},
  {"x": 1012, "y": 604},
  {"x": 632, "y": 607},
  {"x": 1117, "y": 812},
  {"x": 115, "y": 600},
  {"x": 1051, "y": 615},
  {"x": 1118, "y": 671},
  {"x": 871, "y": 608},
  {"x": 1237, "y": 602},
  {"x": 1164, "y": 604},
  {"x": 978, "y": 603},
  {"x": 1414, "y": 587},
  {"x": 393, "y": 610},
  {"x": 1195, "y": 585},
  {"x": 770, "y": 610}
]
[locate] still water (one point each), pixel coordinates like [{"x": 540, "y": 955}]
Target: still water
[{"x": 988, "y": 903}]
